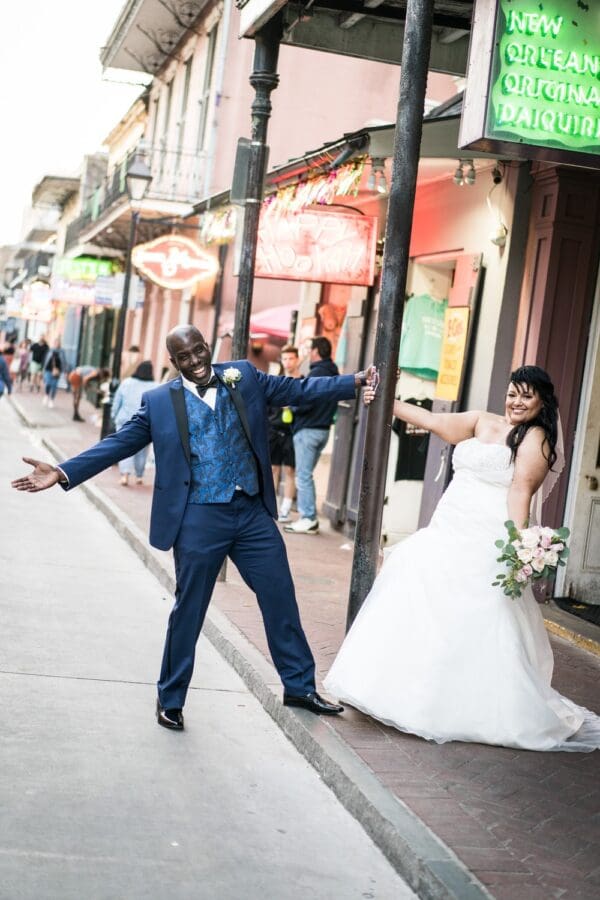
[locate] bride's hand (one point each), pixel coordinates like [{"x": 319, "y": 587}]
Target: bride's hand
[{"x": 369, "y": 394}]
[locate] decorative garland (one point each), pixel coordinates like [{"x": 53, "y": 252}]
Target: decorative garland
[
  {"x": 218, "y": 226},
  {"x": 318, "y": 189}
]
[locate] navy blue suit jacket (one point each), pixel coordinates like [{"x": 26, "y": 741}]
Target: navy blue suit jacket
[{"x": 162, "y": 420}]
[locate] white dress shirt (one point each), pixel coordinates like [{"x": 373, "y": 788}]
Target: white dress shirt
[{"x": 210, "y": 397}]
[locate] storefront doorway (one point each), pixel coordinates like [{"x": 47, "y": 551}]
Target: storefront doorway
[{"x": 580, "y": 579}]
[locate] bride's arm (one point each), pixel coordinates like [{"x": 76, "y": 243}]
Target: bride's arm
[
  {"x": 531, "y": 467},
  {"x": 450, "y": 427}
]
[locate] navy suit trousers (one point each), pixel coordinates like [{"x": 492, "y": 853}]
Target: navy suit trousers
[{"x": 244, "y": 531}]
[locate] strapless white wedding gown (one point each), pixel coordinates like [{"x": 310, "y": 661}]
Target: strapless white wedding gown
[{"x": 438, "y": 652}]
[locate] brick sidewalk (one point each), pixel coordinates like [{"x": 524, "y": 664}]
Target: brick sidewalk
[{"x": 526, "y": 824}]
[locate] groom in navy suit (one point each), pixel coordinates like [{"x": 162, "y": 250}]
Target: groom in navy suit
[{"x": 213, "y": 498}]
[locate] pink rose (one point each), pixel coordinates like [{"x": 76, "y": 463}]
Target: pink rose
[
  {"x": 527, "y": 570},
  {"x": 537, "y": 553},
  {"x": 520, "y": 576}
]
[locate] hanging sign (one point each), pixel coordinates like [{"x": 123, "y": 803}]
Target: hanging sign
[
  {"x": 174, "y": 262},
  {"x": 454, "y": 343},
  {"x": 37, "y": 302},
  {"x": 311, "y": 245},
  {"x": 533, "y": 81}
]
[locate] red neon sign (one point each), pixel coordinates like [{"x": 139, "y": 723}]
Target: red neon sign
[
  {"x": 174, "y": 262},
  {"x": 312, "y": 245}
]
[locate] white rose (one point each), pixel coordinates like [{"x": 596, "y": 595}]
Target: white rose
[
  {"x": 529, "y": 538},
  {"x": 525, "y": 555},
  {"x": 551, "y": 558},
  {"x": 538, "y": 564}
]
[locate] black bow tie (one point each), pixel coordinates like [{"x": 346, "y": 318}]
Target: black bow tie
[{"x": 202, "y": 388}]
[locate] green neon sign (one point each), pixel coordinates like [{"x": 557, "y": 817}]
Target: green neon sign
[
  {"x": 545, "y": 88},
  {"x": 84, "y": 268}
]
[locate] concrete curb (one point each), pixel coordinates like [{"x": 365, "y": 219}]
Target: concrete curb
[
  {"x": 558, "y": 623},
  {"x": 431, "y": 868}
]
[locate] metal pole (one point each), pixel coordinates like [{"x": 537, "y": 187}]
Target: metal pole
[
  {"x": 407, "y": 140},
  {"x": 218, "y": 295},
  {"x": 264, "y": 79},
  {"x": 107, "y": 425}
]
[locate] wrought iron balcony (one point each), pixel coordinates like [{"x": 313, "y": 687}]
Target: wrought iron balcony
[{"x": 176, "y": 178}]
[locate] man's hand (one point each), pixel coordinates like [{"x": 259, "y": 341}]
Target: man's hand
[
  {"x": 370, "y": 381},
  {"x": 369, "y": 377},
  {"x": 43, "y": 476}
]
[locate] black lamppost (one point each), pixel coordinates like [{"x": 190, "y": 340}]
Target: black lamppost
[{"x": 137, "y": 181}]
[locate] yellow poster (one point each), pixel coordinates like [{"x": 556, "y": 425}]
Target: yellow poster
[{"x": 454, "y": 342}]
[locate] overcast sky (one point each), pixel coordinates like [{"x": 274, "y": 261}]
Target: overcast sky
[{"x": 54, "y": 104}]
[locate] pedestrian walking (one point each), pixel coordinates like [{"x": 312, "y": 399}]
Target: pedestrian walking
[
  {"x": 281, "y": 441},
  {"x": 39, "y": 351},
  {"x": 54, "y": 365},
  {"x": 5, "y": 379},
  {"x": 126, "y": 403},
  {"x": 213, "y": 498},
  {"x": 310, "y": 428},
  {"x": 21, "y": 363},
  {"x": 79, "y": 378}
]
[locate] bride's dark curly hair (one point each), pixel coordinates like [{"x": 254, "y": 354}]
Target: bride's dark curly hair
[{"x": 539, "y": 381}]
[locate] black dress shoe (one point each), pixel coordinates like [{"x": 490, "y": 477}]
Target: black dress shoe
[
  {"x": 169, "y": 718},
  {"x": 314, "y": 703}
]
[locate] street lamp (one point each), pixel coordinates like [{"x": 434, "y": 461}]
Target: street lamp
[{"x": 137, "y": 181}]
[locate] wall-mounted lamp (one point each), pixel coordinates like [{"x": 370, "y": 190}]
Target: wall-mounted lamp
[
  {"x": 500, "y": 232},
  {"x": 458, "y": 177},
  {"x": 497, "y": 174},
  {"x": 470, "y": 175},
  {"x": 377, "y": 180}
]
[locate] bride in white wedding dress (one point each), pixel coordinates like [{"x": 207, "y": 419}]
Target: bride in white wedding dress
[{"x": 436, "y": 650}]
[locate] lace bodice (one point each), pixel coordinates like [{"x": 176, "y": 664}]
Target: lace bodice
[{"x": 488, "y": 462}]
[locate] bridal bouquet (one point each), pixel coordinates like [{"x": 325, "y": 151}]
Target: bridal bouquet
[{"x": 530, "y": 554}]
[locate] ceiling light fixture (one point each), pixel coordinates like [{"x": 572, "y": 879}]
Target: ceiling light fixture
[
  {"x": 377, "y": 180},
  {"x": 458, "y": 177},
  {"x": 470, "y": 174}
]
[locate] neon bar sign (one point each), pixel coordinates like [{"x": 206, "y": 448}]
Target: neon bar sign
[
  {"x": 543, "y": 80},
  {"x": 311, "y": 245}
]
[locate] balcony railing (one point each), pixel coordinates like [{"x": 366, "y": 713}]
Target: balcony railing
[{"x": 176, "y": 177}]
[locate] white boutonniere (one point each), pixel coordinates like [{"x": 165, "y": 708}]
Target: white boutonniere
[{"x": 231, "y": 376}]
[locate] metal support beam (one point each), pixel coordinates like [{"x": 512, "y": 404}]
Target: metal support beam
[
  {"x": 264, "y": 79},
  {"x": 409, "y": 123},
  {"x": 375, "y": 39},
  {"x": 347, "y": 20}
]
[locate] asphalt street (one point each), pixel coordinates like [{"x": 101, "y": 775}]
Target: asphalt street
[{"x": 96, "y": 801}]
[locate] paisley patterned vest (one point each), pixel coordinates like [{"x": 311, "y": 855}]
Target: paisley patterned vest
[{"x": 221, "y": 456}]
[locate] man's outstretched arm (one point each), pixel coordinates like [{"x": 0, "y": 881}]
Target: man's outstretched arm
[
  {"x": 124, "y": 443},
  {"x": 282, "y": 391}
]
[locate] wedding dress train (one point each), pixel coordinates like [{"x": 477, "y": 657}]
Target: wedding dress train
[{"x": 438, "y": 652}]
